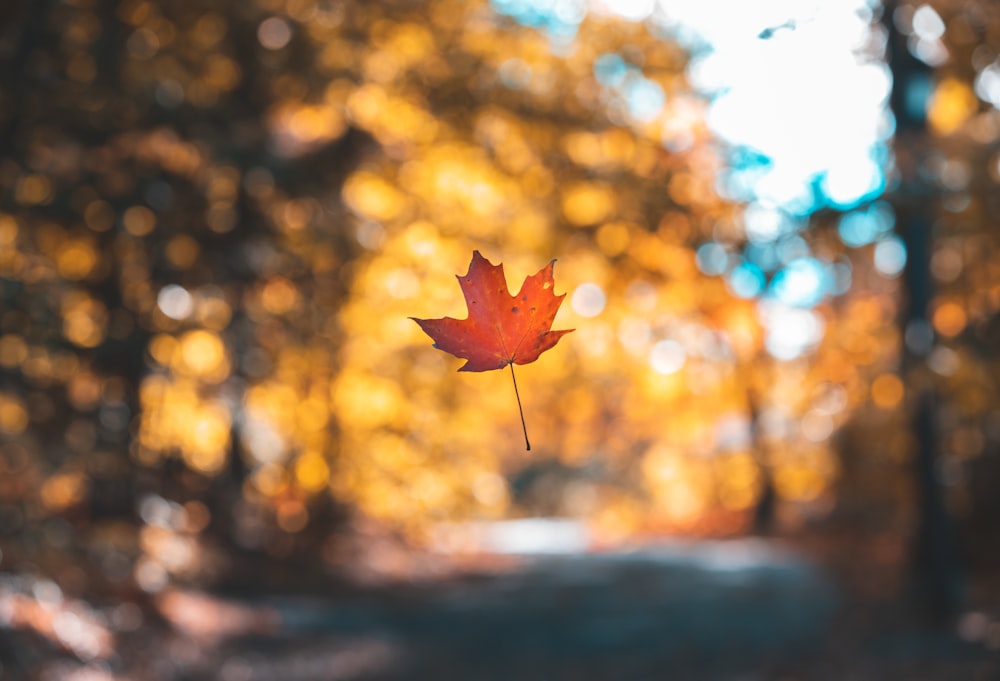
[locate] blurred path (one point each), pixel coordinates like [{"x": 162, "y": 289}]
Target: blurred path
[
  {"x": 721, "y": 606},
  {"x": 746, "y": 610}
]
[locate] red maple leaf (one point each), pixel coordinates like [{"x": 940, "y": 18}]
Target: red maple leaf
[{"x": 501, "y": 329}]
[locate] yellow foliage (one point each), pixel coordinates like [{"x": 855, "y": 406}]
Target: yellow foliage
[
  {"x": 470, "y": 134},
  {"x": 951, "y": 105},
  {"x": 373, "y": 197},
  {"x": 13, "y": 414},
  {"x": 201, "y": 354},
  {"x": 84, "y": 319},
  {"x": 63, "y": 490},
  {"x": 586, "y": 203}
]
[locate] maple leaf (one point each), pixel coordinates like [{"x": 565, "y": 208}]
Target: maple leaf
[{"x": 501, "y": 329}]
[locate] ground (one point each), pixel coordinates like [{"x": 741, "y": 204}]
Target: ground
[{"x": 736, "y": 610}]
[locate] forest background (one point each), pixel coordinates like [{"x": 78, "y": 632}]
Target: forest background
[{"x": 216, "y": 219}]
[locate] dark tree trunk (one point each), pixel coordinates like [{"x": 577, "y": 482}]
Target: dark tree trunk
[{"x": 935, "y": 569}]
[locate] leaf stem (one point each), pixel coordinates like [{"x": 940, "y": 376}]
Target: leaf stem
[{"x": 527, "y": 445}]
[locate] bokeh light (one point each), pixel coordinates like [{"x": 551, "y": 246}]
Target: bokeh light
[{"x": 211, "y": 248}]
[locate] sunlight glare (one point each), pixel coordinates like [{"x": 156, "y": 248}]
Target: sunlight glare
[
  {"x": 588, "y": 300},
  {"x": 784, "y": 77},
  {"x": 667, "y": 357},
  {"x": 791, "y": 332}
]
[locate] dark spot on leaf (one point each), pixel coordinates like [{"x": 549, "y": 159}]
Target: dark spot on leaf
[
  {"x": 533, "y": 309},
  {"x": 514, "y": 309}
]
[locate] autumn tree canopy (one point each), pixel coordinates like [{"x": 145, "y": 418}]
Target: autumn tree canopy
[{"x": 216, "y": 220}]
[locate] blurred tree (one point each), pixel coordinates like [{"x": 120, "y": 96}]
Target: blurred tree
[
  {"x": 215, "y": 219},
  {"x": 649, "y": 421},
  {"x": 176, "y": 253},
  {"x": 162, "y": 223},
  {"x": 935, "y": 567},
  {"x": 951, "y": 155}
]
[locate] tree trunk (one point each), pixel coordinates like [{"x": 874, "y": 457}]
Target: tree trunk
[{"x": 935, "y": 569}]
